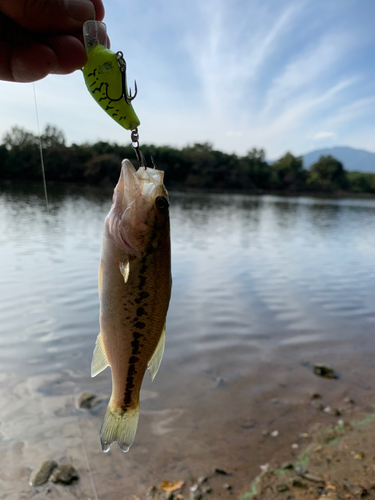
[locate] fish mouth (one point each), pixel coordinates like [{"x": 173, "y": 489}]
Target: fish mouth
[
  {"x": 131, "y": 217},
  {"x": 142, "y": 182}
]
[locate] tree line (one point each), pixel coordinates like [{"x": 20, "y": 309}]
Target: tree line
[{"x": 192, "y": 167}]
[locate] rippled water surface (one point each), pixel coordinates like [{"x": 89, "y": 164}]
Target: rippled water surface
[{"x": 261, "y": 285}]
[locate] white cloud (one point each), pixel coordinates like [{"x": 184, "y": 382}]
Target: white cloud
[{"x": 324, "y": 135}]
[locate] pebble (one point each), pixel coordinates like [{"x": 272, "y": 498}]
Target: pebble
[
  {"x": 287, "y": 466},
  {"x": 227, "y": 486},
  {"x": 296, "y": 483},
  {"x": 202, "y": 479},
  {"x": 349, "y": 401},
  {"x": 301, "y": 470},
  {"x": 295, "y": 446},
  {"x": 314, "y": 479},
  {"x": 274, "y": 433},
  {"x": 64, "y": 474},
  {"x": 332, "y": 411},
  {"x": 324, "y": 371},
  {"x": 220, "y": 471},
  {"x": 315, "y": 395},
  {"x": 208, "y": 489},
  {"x": 43, "y": 473}
]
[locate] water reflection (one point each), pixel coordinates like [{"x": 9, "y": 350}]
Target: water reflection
[{"x": 247, "y": 271}]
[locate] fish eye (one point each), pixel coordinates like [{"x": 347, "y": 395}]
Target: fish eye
[{"x": 162, "y": 203}]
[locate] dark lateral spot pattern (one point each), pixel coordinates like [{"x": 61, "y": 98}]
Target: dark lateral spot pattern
[
  {"x": 141, "y": 311},
  {"x": 137, "y": 335},
  {"x": 142, "y": 282},
  {"x": 132, "y": 370},
  {"x": 135, "y": 346},
  {"x": 142, "y": 296},
  {"x": 143, "y": 269}
]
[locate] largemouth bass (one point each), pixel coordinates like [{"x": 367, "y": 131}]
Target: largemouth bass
[{"x": 134, "y": 291}]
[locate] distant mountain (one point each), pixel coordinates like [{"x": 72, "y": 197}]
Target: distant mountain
[{"x": 352, "y": 159}]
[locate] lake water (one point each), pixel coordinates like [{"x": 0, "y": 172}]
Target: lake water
[{"x": 262, "y": 286}]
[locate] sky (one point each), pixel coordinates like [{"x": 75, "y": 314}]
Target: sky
[{"x": 290, "y": 75}]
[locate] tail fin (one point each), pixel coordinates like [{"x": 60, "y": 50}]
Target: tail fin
[{"x": 119, "y": 425}]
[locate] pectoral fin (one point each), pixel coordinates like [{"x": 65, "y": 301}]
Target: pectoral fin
[
  {"x": 99, "y": 359},
  {"x": 154, "y": 363},
  {"x": 125, "y": 268}
]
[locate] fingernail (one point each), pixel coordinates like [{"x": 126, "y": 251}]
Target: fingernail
[{"x": 80, "y": 10}]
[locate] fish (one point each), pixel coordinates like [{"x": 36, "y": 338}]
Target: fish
[{"x": 134, "y": 291}]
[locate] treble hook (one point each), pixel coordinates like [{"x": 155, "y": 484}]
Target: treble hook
[{"x": 122, "y": 64}]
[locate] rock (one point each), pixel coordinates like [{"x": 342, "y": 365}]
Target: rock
[
  {"x": 42, "y": 475},
  {"x": 315, "y": 395},
  {"x": 332, "y": 411},
  {"x": 202, "y": 479},
  {"x": 282, "y": 487},
  {"x": 349, "y": 401},
  {"x": 221, "y": 471},
  {"x": 87, "y": 401},
  {"x": 64, "y": 474},
  {"x": 312, "y": 478},
  {"x": 301, "y": 470},
  {"x": 296, "y": 483},
  {"x": 287, "y": 466},
  {"x": 275, "y": 433},
  {"x": 324, "y": 371}
]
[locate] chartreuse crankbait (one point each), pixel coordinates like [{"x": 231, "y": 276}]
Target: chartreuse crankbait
[{"x": 105, "y": 76}]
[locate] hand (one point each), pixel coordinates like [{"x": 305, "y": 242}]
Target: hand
[{"x": 38, "y": 37}]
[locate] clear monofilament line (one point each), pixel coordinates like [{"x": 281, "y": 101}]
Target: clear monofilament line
[{"x": 41, "y": 150}]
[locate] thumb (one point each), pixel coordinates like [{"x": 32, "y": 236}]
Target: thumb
[{"x": 51, "y": 15}]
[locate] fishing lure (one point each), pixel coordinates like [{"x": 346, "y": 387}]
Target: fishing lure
[{"x": 105, "y": 76}]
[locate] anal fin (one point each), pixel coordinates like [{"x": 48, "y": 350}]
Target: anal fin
[
  {"x": 154, "y": 363},
  {"x": 99, "y": 358}
]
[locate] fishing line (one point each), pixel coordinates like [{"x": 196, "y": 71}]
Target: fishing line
[
  {"x": 46, "y": 197},
  {"x": 86, "y": 454},
  {"x": 41, "y": 150}
]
